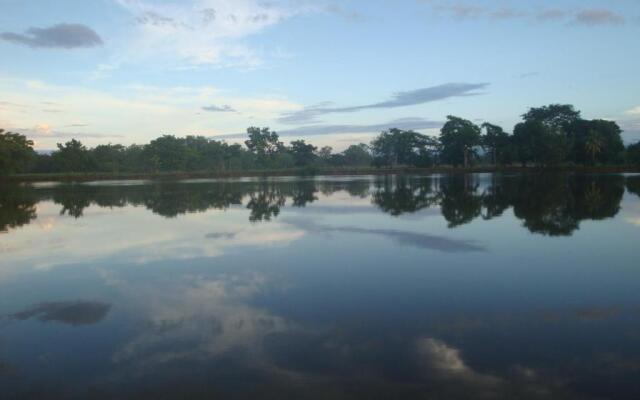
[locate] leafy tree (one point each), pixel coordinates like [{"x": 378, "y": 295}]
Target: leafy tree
[
  {"x": 551, "y": 127},
  {"x": 458, "y": 138},
  {"x": 16, "y": 153},
  {"x": 303, "y": 153},
  {"x": 109, "y": 157},
  {"x": 166, "y": 153},
  {"x": 73, "y": 156},
  {"x": 497, "y": 143},
  {"x": 633, "y": 154},
  {"x": 264, "y": 144},
  {"x": 324, "y": 154},
  {"x": 357, "y": 155},
  {"x": 398, "y": 147},
  {"x": 538, "y": 144},
  {"x": 596, "y": 141}
]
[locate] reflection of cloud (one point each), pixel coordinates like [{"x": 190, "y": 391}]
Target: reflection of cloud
[
  {"x": 413, "y": 239},
  {"x": 66, "y": 312},
  {"x": 634, "y": 221},
  {"x": 446, "y": 361},
  {"x": 201, "y": 318},
  {"x": 221, "y": 235}
]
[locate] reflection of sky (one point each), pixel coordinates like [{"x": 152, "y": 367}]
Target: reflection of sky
[{"x": 318, "y": 298}]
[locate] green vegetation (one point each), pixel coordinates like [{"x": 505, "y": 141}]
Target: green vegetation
[{"x": 553, "y": 135}]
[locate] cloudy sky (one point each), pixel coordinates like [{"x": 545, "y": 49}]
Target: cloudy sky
[{"x": 333, "y": 72}]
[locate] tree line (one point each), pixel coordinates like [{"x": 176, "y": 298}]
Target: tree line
[{"x": 550, "y": 135}]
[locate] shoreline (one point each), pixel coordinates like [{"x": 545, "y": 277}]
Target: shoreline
[{"x": 100, "y": 176}]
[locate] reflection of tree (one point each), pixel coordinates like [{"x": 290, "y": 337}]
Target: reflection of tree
[
  {"x": 74, "y": 199},
  {"x": 633, "y": 184},
  {"x": 495, "y": 200},
  {"x": 265, "y": 203},
  {"x": 17, "y": 207},
  {"x": 543, "y": 202},
  {"x": 549, "y": 204},
  {"x": 460, "y": 202},
  {"x": 555, "y": 204},
  {"x": 597, "y": 197},
  {"x": 303, "y": 192},
  {"x": 400, "y": 195}
]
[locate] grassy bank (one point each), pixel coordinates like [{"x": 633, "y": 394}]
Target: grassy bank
[{"x": 84, "y": 177}]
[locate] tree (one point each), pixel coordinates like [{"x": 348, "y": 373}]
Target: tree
[
  {"x": 551, "y": 128},
  {"x": 303, "y": 153},
  {"x": 538, "y": 144},
  {"x": 458, "y": 137},
  {"x": 398, "y": 147},
  {"x": 633, "y": 154},
  {"x": 264, "y": 144},
  {"x": 16, "y": 153},
  {"x": 357, "y": 155},
  {"x": 324, "y": 154},
  {"x": 596, "y": 141},
  {"x": 496, "y": 142},
  {"x": 593, "y": 145},
  {"x": 72, "y": 156},
  {"x": 108, "y": 157},
  {"x": 166, "y": 153}
]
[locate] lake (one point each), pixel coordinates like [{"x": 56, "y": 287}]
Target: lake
[{"x": 449, "y": 286}]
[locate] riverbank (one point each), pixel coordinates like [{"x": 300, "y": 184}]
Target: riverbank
[{"x": 85, "y": 177}]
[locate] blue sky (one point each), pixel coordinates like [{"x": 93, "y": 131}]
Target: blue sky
[{"x": 332, "y": 72}]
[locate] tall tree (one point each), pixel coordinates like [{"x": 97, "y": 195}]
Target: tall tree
[
  {"x": 303, "y": 153},
  {"x": 357, "y": 155},
  {"x": 596, "y": 141},
  {"x": 550, "y": 128},
  {"x": 264, "y": 144},
  {"x": 633, "y": 154},
  {"x": 458, "y": 137},
  {"x": 495, "y": 141},
  {"x": 398, "y": 147},
  {"x": 73, "y": 156},
  {"x": 16, "y": 152}
]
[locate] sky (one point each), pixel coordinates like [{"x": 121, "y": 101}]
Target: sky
[{"x": 331, "y": 72}]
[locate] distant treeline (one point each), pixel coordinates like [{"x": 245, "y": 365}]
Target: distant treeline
[{"x": 550, "y": 135}]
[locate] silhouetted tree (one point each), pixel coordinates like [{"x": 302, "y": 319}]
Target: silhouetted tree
[{"x": 458, "y": 138}]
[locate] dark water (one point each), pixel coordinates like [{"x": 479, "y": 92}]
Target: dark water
[{"x": 441, "y": 287}]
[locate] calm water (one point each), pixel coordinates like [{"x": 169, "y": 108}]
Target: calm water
[{"x": 476, "y": 286}]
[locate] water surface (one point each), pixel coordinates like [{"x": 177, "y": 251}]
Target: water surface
[{"x": 467, "y": 286}]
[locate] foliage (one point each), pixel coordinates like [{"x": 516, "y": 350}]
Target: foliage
[
  {"x": 633, "y": 154},
  {"x": 400, "y": 147},
  {"x": 16, "y": 153},
  {"x": 459, "y": 137}
]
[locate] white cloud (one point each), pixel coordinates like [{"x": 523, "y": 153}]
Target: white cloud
[
  {"x": 205, "y": 32},
  {"x": 446, "y": 362}
]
